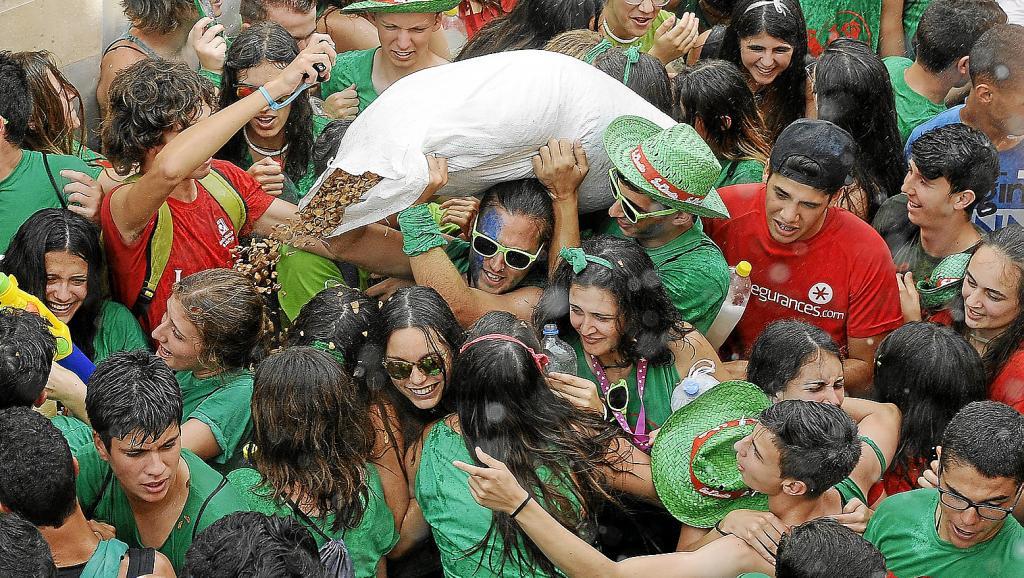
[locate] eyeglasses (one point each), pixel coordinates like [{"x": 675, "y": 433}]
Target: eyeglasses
[
  {"x": 617, "y": 396},
  {"x": 632, "y": 213},
  {"x": 515, "y": 258},
  {"x": 960, "y": 503},
  {"x": 657, "y": 3},
  {"x": 399, "y": 369}
]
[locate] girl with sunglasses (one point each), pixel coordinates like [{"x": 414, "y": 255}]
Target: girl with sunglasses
[
  {"x": 568, "y": 457},
  {"x": 275, "y": 147},
  {"x": 643, "y": 23},
  {"x": 632, "y": 347},
  {"x": 767, "y": 39}
]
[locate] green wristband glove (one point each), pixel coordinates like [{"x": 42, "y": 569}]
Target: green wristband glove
[
  {"x": 420, "y": 232},
  {"x": 214, "y": 77}
]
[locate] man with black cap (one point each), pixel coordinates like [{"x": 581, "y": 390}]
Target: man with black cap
[{"x": 811, "y": 261}]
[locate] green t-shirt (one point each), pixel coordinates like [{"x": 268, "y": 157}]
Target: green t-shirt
[
  {"x": 740, "y": 172},
  {"x": 912, "y": 12},
  {"x": 693, "y": 271},
  {"x": 353, "y": 67},
  {"x": 646, "y": 42},
  {"x": 903, "y": 529},
  {"x": 367, "y": 543},
  {"x": 457, "y": 522},
  {"x": 224, "y": 403},
  {"x": 105, "y": 561},
  {"x": 77, "y": 433},
  {"x": 28, "y": 189},
  {"x": 912, "y": 109},
  {"x": 210, "y": 498},
  {"x": 828, "y": 20},
  {"x": 118, "y": 331},
  {"x": 657, "y": 402}
]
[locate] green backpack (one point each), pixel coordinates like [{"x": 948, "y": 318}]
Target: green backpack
[{"x": 158, "y": 248}]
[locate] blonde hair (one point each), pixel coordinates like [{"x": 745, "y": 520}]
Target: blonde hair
[{"x": 575, "y": 43}]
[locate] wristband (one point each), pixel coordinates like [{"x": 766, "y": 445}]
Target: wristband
[
  {"x": 214, "y": 77},
  {"x": 521, "y": 506},
  {"x": 420, "y": 232},
  {"x": 720, "y": 530}
]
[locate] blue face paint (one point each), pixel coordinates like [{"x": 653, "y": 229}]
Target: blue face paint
[{"x": 489, "y": 223}]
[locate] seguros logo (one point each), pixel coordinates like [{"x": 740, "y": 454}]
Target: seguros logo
[{"x": 820, "y": 293}]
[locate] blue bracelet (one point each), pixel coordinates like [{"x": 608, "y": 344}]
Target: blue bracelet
[{"x": 274, "y": 105}]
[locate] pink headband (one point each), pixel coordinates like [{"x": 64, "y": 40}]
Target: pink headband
[{"x": 539, "y": 358}]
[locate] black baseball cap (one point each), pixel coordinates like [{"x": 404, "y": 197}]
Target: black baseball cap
[{"x": 816, "y": 153}]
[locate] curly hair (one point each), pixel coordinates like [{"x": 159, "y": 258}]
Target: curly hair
[
  {"x": 310, "y": 427},
  {"x": 160, "y": 16},
  {"x": 268, "y": 42},
  {"x": 647, "y": 319},
  {"x": 230, "y": 314},
  {"x": 147, "y": 99},
  {"x": 48, "y": 127}
]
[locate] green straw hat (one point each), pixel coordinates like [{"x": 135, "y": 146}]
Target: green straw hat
[
  {"x": 673, "y": 166},
  {"x": 944, "y": 282},
  {"x": 402, "y": 6},
  {"x": 693, "y": 461}
]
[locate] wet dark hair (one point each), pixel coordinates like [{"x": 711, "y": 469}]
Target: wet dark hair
[
  {"x": 268, "y": 42},
  {"x": 48, "y": 128},
  {"x": 824, "y": 547},
  {"x": 1008, "y": 241},
  {"x": 996, "y": 56},
  {"x": 23, "y": 551},
  {"x": 133, "y": 393},
  {"x": 929, "y": 372},
  {"x": 255, "y": 545},
  {"x": 16, "y": 105},
  {"x": 647, "y": 77},
  {"x": 785, "y": 99},
  {"x": 782, "y": 349},
  {"x": 648, "y": 319},
  {"x": 849, "y": 78},
  {"x": 327, "y": 144},
  {"x": 160, "y": 16},
  {"x": 712, "y": 48},
  {"x": 37, "y": 480},
  {"x": 817, "y": 442},
  {"x": 949, "y": 28},
  {"x": 312, "y": 431},
  {"x": 26, "y": 353},
  {"x": 532, "y": 429},
  {"x": 255, "y": 11},
  {"x": 424, "y": 309},
  {"x": 988, "y": 436},
  {"x": 60, "y": 230},
  {"x": 526, "y": 198},
  {"x": 530, "y": 25},
  {"x": 962, "y": 155},
  {"x": 147, "y": 99},
  {"x": 351, "y": 321},
  {"x": 711, "y": 91}
]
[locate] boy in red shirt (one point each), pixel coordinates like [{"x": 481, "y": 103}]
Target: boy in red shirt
[
  {"x": 159, "y": 124},
  {"x": 811, "y": 261}
]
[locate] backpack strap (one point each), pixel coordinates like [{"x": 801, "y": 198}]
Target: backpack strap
[
  {"x": 206, "y": 502},
  {"x": 222, "y": 191},
  {"x": 141, "y": 561},
  {"x": 88, "y": 512},
  {"x": 56, "y": 189}
]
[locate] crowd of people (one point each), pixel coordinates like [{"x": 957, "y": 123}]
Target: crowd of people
[{"x": 382, "y": 402}]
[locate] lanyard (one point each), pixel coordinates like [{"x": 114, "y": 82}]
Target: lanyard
[{"x": 640, "y": 437}]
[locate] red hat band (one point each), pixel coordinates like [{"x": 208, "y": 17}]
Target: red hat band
[
  {"x": 655, "y": 179},
  {"x": 699, "y": 441}
]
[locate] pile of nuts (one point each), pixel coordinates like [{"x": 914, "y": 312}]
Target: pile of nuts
[{"x": 316, "y": 220}]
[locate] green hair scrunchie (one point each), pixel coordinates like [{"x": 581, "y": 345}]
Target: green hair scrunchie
[
  {"x": 600, "y": 48},
  {"x": 331, "y": 349},
  {"x": 420, "y": 232},
  {"x": 632, "y": 57},
  {"x": 578, "y": 259}
]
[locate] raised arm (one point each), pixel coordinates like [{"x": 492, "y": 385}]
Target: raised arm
[
  {"x": 133, "y": 208},
  {"x": 879, "y": 422},
  {"x": 561, "y": 165},
  {"x": 858, "y": 367}
]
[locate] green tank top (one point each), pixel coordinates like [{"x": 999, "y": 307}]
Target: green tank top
[
  {"x": 661, "y": 380},
  {"x": 367, "y": 543},
  {"x": 105, "y": 561},
  {"x": 457, "y": 522}
]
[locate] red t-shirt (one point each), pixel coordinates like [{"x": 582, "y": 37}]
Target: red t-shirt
[
  {"x": 203, "y": 239},
  {"x": 1008, "y": 386},
  {"x": 474, "y": 22},
  {"x": 842, "y": 279}
]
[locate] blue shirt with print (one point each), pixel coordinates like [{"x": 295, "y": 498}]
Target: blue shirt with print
[{"x": 1005, "y": 204}]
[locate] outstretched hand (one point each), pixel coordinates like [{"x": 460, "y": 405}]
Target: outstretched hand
[
  {"x": 855, "y": 516},
  {"x": 437, "y": 171},
  {"x": 762, "y": 531},
  {"x": 493, "y": 487},
  {"x": 561, "y": 165},
  {"x": 675, "y": 37}
]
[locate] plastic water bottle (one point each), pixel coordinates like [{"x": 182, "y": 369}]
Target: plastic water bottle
[
  {"x": 734, "y": 305},
  {"x": 561, "y": 355},
  {"x": 697, "y": 382}
]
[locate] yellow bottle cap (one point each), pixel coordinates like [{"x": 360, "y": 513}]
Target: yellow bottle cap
[{"x": 743, "y": 269}]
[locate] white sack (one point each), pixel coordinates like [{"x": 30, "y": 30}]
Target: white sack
[{"x": 487, "y": 116}]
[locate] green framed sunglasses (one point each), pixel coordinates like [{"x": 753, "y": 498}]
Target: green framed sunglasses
[{"x": 632, "y": 213}]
